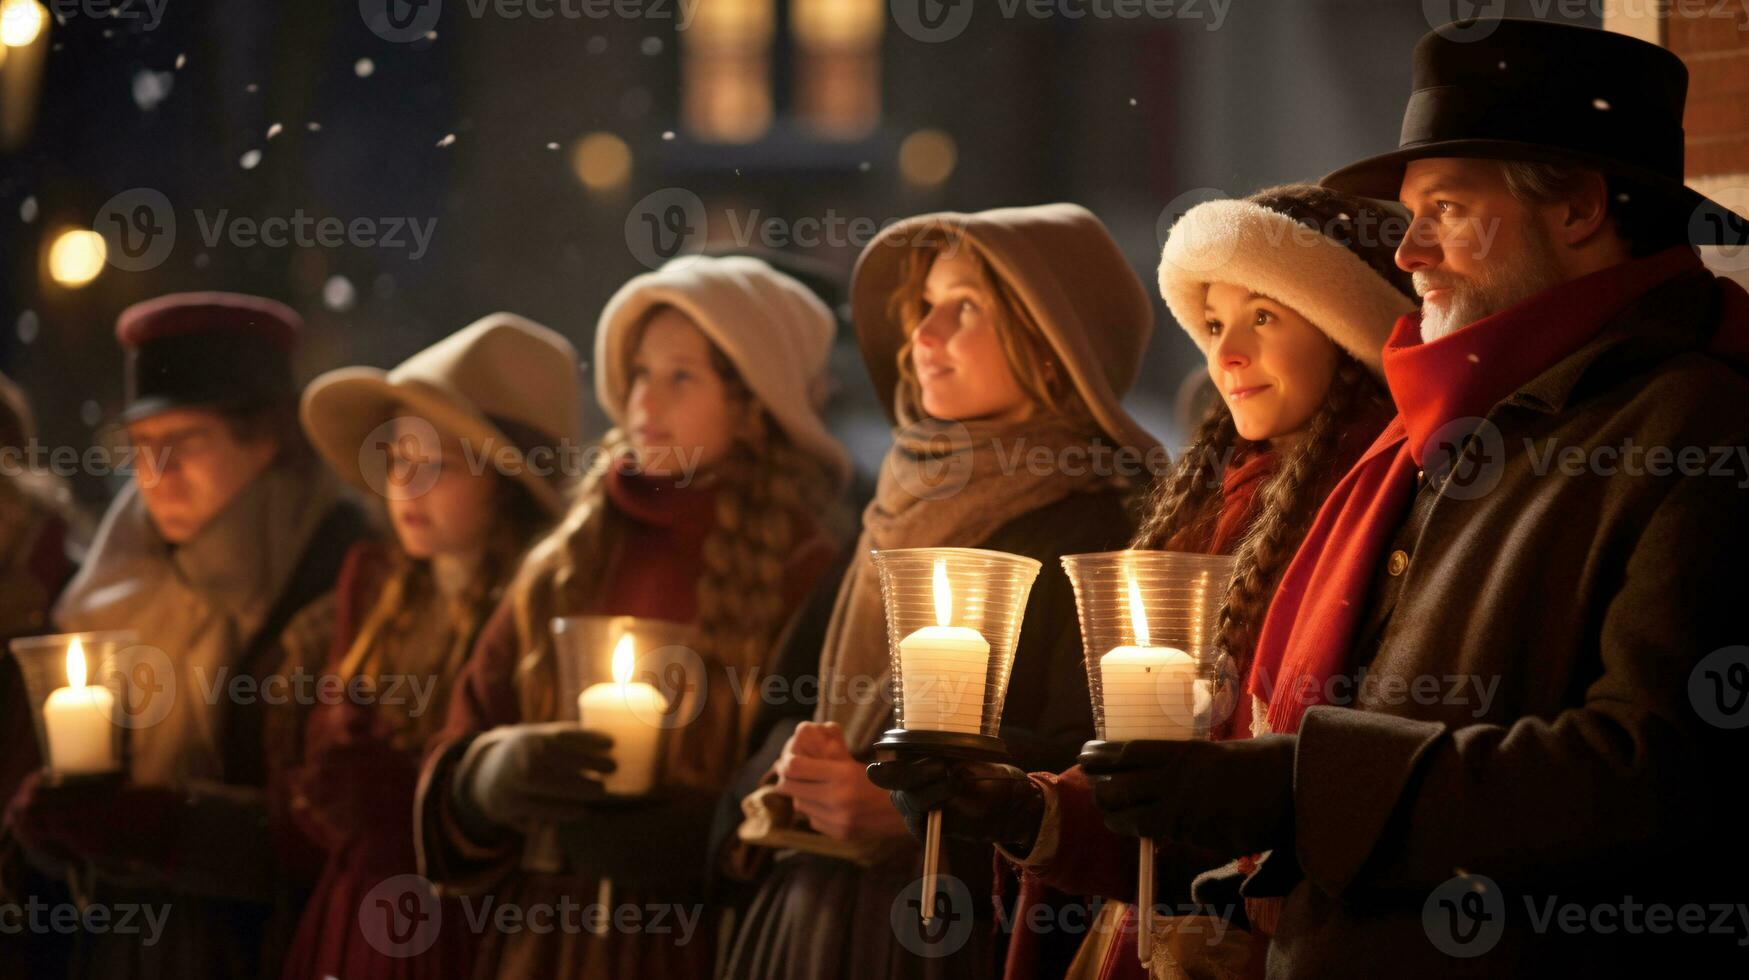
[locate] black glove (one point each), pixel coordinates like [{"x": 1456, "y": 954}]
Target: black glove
[
  {"x": 979, "y": 801},
  {"x": 521, "y": 776},
  {"x": 1232, "y": 797}
]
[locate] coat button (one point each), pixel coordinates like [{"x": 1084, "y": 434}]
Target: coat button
[{"x": 1399, "y": 561}]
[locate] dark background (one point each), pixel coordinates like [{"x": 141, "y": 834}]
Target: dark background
[{"x": 1131, "y": 118}]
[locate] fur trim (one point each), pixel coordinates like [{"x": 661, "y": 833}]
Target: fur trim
[{"x": 1250, "y": 245}]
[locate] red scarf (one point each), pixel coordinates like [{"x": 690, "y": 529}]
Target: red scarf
[{"x": 1309, "y": 631}]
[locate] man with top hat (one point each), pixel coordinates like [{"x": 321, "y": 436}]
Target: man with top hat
[
  {"x": 1504, "y": 678},
  {"x": 228, "y": 527}
]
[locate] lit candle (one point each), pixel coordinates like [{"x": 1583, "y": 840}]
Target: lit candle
[
  {"x": 628, "y": 712},
  {"x": 77, "y": 719},
  {"x": 943, "y": 670},
  {"x": 1150, "y": 692}
]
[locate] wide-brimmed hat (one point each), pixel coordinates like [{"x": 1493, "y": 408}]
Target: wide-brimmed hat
[
  {"x": 1548, "y": 92},
  {"x": 1064, "y": 267},
  {"x": 774, "y": 330},
  {"x": 500, "y": 375}
]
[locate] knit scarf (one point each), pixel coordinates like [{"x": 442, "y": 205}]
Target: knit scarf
[
  {"x": 942, "y": 484},
  {"x": 1310, "y": 629}
]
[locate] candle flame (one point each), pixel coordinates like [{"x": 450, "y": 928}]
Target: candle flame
[
  {"x": 943, "y": 594},
  {"x": 1138, "y": 614},
  {"x": 75, "y": 664},
  {"x": 622, "y": 660}
]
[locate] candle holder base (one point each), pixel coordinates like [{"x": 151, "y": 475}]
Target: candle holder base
[{"x": 952, "y": 745}]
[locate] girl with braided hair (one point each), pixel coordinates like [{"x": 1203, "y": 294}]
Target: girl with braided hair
[
  {"x": 701, "y": 516},
  {"x": 1289, "y": 294}
]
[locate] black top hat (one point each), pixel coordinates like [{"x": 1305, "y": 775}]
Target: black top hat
[
  {"x": 222, "y": 351},
  {"x": 1547, "y": 92}
]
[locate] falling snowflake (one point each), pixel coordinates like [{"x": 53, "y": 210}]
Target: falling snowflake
[
  {"x": 249, "y": 159},
  {"x": 338, "y": 294},
  {"x": 552, "y": 146},
  {"x": 251, "y": 88},
  {"x": 28, "y": 326},
  {"x": 448, "y": 140},
  {"x": 181, "y": 61},
  {"x": 202, "y": 260},
  {"x": 364, "y": 68},
  {"x": 274, "y": 130},
  {"x": 90, "y": 412},
  {"x": 314, "y": 127},
  {"x": 650, "y": 47},
  {"x": 1473, "y": 359},
  {"x": 151, "y": 88},
  {"x": 430, "y": 35},
  {"x": 1601, "y": 105},
  {"x": 27, "y": 209},
  {"x": 668, "y": 135}
]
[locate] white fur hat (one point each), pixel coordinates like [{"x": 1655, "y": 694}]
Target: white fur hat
[{"x": 1271, "y": 254}]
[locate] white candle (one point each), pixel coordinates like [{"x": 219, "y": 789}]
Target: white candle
[
  {"x": 629, "y": 713},
  {"x": 1150, "y": 692},
  {"x": 78, "y": 721},
  {"x": 944, "y": 670}
]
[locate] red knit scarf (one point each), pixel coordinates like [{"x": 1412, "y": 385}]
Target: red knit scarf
[{"x": 1308, "y": 633}]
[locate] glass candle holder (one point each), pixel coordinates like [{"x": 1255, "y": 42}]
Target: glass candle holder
[
  {"x": 1149, "y": 626},
  {"x": 78, "y": 688},
  {"x": 953, "y": 621}
]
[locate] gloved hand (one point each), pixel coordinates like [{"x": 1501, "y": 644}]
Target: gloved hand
[
  {"x": 114, "y": 823},
  {"x": 518, "y": 777},
  {"x": 1232, "y": 797},
  {"x": 979, "y": 801}
]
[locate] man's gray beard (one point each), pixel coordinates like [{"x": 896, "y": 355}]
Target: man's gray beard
[{"x": 1508, "y": 280}]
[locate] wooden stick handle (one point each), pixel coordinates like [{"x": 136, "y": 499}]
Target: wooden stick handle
[
  {"x": 931, "y": 863},
  {"x": 1145, "y": 904}
]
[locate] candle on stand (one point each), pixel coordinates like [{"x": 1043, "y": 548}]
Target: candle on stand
[
  {"x": 77, "y": 720},
  {"x": 944, "y": 669},
  {"x": 629, "y": 713},
  {"x": 1150, "y": 692}
]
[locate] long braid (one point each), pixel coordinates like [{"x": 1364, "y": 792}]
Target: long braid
[
  {"x": 1289, "y": 500},
  {"x": 1185, "y": 504}
]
